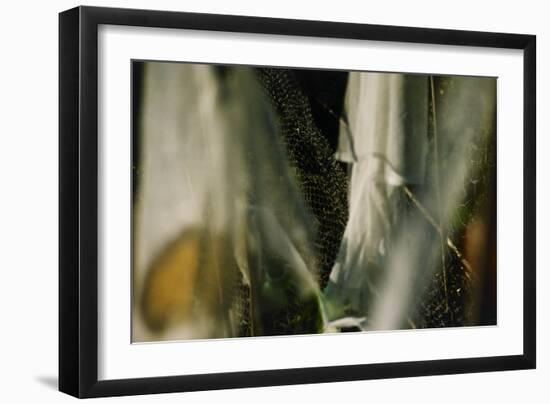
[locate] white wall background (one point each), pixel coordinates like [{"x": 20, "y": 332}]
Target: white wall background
[{"x": 28, "y": 199}]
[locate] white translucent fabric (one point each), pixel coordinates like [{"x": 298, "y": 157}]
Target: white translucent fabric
[
  {"x": 384, "y": 137},
  {"x": 385, "y": 125}
]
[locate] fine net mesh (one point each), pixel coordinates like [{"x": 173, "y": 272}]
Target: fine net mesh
[{"x": 321, "y": 179}]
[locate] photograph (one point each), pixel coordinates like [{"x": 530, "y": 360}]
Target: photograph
[{"x": 274, "y": 201}]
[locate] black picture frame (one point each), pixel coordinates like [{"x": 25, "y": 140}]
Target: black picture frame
[{"x": 78, "y": 201}]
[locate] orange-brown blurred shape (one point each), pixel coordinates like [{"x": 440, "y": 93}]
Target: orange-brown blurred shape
[
  {"x": 193, "y": 271},
  {"x": 480, "y": 251}
]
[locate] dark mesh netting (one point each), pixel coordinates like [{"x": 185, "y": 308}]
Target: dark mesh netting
[{"x": 320, "y": 178}]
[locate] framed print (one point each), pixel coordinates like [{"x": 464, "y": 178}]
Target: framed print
[{"x": 251, "y": 201}]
